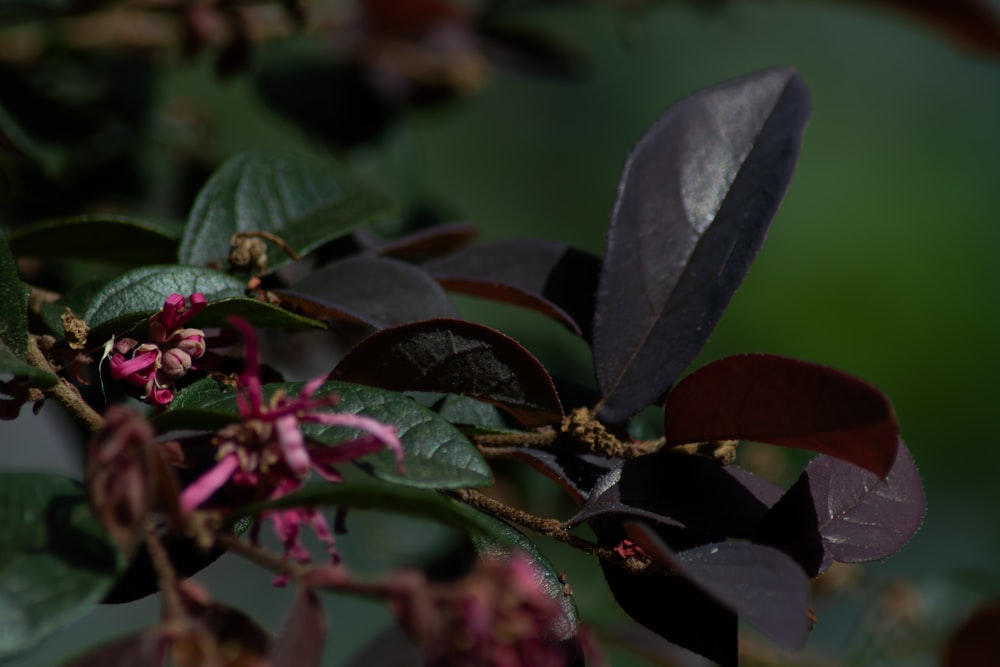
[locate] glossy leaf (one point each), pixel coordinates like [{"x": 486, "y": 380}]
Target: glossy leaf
[
  {"x": 784, "y": 402},
  {"x": 465, "y": 411},
  {"x": 694, "y": 203},
  {"x": 851, "y": 514},
  {"x": 108, "y": 238},
  {"x": 55, "y": 559},
  {"x": 684, "y": 490},
  {"x": 438, "y": 456},
  {"x": 303, "y": 200},
  {"x": 376, "y": 291},
  {"x": 552, "y": 278},
  {"x": 674, "y": 608},
  {"x": 455, "y": 357},
  {"x": 134, "y": 296},
  {"x": 762, "y": 585},
  {"x": 300, "y": 642},
  {"x": 359, "y": 494},
  {"x": 577, "y": 474},
  {"x": 498, "y": 539}
]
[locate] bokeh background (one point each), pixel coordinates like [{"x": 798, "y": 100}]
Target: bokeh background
[{"x": 882, "y": 262}]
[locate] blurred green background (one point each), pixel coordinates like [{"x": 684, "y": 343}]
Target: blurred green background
[{"x": 882, "y": 260}]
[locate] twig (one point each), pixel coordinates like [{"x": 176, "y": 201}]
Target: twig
[{"x": 64, "y": 392}]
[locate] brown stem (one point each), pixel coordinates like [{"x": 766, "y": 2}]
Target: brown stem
[
  {"x": 260, "y": 556},
  {"x": 166, "y": 576},
  {"x": 540, "y": 438},
  {"x": 551, "y": 528},
  {"x": 64, "y": 392}
]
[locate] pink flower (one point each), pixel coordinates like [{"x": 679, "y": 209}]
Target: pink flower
[
  {"x": 497, "y": 616},
  {"x": 267, "y": 450},
  {"x": 168, "y": 355}
]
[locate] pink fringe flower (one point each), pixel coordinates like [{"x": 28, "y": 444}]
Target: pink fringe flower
[
  {"x": 168, "y": 354},
  {"x": 268, "y": 451}
]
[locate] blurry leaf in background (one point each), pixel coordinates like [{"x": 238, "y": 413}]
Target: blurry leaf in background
[{"x": 55, "y": 560}]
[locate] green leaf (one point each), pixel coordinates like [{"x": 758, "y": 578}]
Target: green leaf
[
  {"x": 494, "y": 538},
  {"x": 135, "y": 296},
  {"x": 13, "y": 304},
  {"x": 437, "y": 455},
  {"x": 35, "y": 377},
  {"x": 371, "y": 495},
  {"x": 303, "y": 200},
  {"x": 106, "y": 238},
  {"x": 55, "y": 560}
]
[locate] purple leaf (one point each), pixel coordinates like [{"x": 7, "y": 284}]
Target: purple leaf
[
  {"x": 455, "y": 357},
  {"x": 674, "y": 608},
  {"x": 785, "y": 402},
  {"x": 432, "y": 242},
  {"x": 377, "y": 291},
  {"x": 694, "y": 203},
  {"x": 847, "y": 512},
  {"x": 300, "y": 642},
  {"x": 551, "y": 278},
  {"x": 761, "y": 584},
  {"x": 680, "y": 490},
  {"x": 577, "y": 474}
]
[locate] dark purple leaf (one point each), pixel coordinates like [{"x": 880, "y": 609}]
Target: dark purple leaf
[
  {"x": 575, "y": 473},
  {"x": 762, "y": 585},
  {"x": 785, "y": 402},
  {"x": 300, "y": 642},
  {"x": 377, "y": 291},
  {"x": 977, "y": 642},
  {"x": 455, "y": 357},
  {"x": 552, "y": 278},
  {"x": 847, "y": 512},
  {"x": 674, "y": 608},
  {"x": 677, "y": 489},
  {"x": 432, "y": 242},
  {"x": 694, "y": 203}
]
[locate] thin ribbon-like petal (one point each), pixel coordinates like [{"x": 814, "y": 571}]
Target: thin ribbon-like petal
[{"x": 203, "y": 487}]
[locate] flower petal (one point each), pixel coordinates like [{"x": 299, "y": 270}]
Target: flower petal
[
  {"x": 385, "y": 433},
  {"x": 293, "y": 444},
  {"x": 203, "y": 487}
]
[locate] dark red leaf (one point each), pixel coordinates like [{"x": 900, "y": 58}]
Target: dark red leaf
[
  {"x": 432, "y": 242},
  {"x": 674, "y": 608},
  {"x": 762, "y": 585},
  {"x": 552, "y": 278},
  {"x": 677, "y": 489},
  {"x": 974, "y": 24},
  {"x": 377, "y": 291},
  {"x": 849, "y": 513},
  {"x": 784, "y": 402},
  {"x": 694, "y": 203},
  {"x": 300, "y": 642},
  {"x": 977, "y": 642},
  {"x": 455, "y": 357}
]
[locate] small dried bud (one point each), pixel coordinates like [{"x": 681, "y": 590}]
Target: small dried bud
[{"x": 128, "y": 477}]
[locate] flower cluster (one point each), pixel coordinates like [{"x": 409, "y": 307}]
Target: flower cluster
[
  {"x": 267, "y": 449},
  {"x": 168, "y": 354},
  {"x": 498, "y": 616}
]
